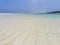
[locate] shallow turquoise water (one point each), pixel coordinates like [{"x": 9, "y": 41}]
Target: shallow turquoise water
[
  {"x": 41, "y": 15},
  {"x": 34, "y": 15}
]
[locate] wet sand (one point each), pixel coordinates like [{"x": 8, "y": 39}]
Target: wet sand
[{"x": 22, "y": 29}]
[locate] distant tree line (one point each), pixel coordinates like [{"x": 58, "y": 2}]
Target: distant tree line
[{"x": 53, "y": 12}]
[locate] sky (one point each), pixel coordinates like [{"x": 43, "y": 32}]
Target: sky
[{"x": 29, "y": 6}]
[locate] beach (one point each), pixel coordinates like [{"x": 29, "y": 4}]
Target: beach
[{"x": 29, "y": 29}]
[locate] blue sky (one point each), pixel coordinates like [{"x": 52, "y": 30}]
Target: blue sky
[{"x": 29, "y": 6}]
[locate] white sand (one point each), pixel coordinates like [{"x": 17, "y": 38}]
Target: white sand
[{"x": 29, "y": 30}]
